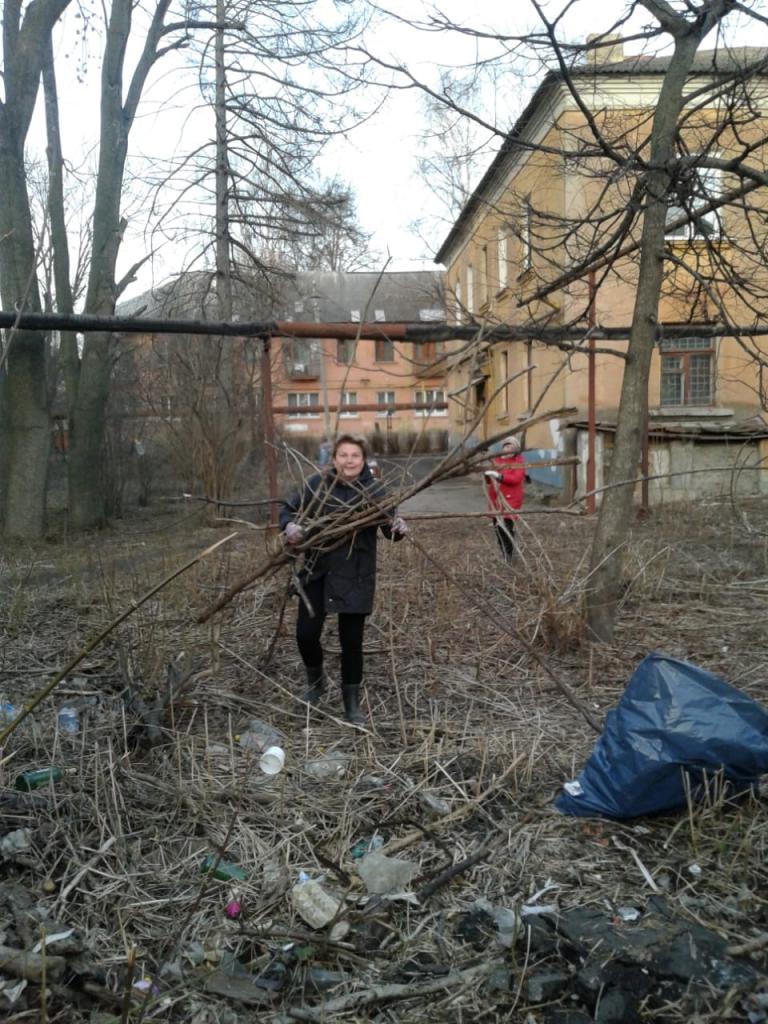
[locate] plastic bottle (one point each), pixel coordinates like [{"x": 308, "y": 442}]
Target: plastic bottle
[
  {"x": 224, "y": 871},
  {"x": 7, "y": 711},
  {"x": 68, "y": 719},
  {"x": 37, "y": 777},
  {"x": 258, "y": 736}
]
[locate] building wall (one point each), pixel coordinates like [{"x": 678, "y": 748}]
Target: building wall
[
  {"x": 411, "y": 375},
  {"x": 558, "y": 189}
]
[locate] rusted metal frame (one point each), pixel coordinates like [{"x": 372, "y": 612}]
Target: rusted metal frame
[{"x": 591, "y": 398}]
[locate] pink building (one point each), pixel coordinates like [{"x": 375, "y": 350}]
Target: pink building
[{"x": 325, "y": 387}]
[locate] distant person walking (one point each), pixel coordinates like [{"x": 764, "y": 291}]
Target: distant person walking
[
  {"x": 505, "y": 483},
  {"x": 324, "y": 453},
  {"x": 338, "y": 577}
]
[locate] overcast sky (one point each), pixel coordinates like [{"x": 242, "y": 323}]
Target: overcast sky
[{"x": 379, "y": 158}]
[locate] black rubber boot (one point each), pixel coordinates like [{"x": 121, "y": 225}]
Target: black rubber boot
[
  {"x": 351, "y": 695},
  {"x": 316, "y": 680}
]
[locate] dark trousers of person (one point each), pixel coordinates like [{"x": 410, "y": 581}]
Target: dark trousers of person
[
  {"x": 310, "y": 627},
  {"x": 505, "y": 535}
]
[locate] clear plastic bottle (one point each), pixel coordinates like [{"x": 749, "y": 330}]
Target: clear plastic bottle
[
  {"x": 7, "y": 711},
  {"x": 68, "y": 719},
  {"x": 258, "y": 736}
]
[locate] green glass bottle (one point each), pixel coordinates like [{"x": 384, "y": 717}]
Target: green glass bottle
[
  {"x": 38, "y": 777},
  {"x": 224, "y": 871}
]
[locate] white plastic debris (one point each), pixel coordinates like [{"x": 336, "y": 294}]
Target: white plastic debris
[
  {"x": 573, "y": 788},
  {"x": 314, "y": 905},
  {"x": 384, "y": 875}
]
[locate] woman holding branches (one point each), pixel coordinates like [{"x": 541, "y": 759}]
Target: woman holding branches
[{"x": 334, "y": 519}]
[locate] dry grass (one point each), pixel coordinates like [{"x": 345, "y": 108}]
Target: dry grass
[{"x": 454, "y": 704}]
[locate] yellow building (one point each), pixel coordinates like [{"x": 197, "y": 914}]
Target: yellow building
[{"x": 565, "y": 193}]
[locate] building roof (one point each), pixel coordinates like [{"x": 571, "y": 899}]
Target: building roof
[
  {"x": 321, "y": 296},
  {"x": 713, "y": 62},
  {"x": 399, "y": 296}
]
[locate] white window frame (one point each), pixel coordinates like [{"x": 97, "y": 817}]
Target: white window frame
[
  {"x": 708, "y": 186},
  {"x": 458, "y": 315},
  {"x": 384, "y": 398},
  {"x": 503, "y": 381},
  {"x": 502, "y": 258},
  {"x": 526, "y": 255},
  {"x": 470, "y": 289},
  {"x": 425, "y": 395},
  {"x": 348, "y": 398},
  {"x": 302, "y": 398}
]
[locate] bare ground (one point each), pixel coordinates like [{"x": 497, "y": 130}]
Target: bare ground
[{"x": 469, "y": 741}]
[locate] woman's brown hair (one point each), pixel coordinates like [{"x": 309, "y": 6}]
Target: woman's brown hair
[{"x": 350, "y": 439}]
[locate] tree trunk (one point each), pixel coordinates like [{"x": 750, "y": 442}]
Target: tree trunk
[
  {"x": 608, "y": 548},
  {"x": 24, "y": 406}
]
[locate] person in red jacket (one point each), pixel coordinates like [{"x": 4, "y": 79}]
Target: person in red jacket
[{"x": 505, "y": 484}]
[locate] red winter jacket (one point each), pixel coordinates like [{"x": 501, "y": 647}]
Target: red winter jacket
[{"x": 507, "y": 493}]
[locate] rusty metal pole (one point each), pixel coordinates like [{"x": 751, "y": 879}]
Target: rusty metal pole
[
  {"x": 269, "y": 425},
  {"x": 591, "y": 425}
]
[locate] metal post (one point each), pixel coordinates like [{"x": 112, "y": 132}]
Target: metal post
[
  {"x": 269, "y": 426},
  {"x": 591, "y": 425},
  {"x": 315, "y": 300}
]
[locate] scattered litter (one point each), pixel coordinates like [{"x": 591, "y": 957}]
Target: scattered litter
[
  {"x": 259, "y": 736},
  {"x": 672, "y": 716},
  {"x": 68, "y": 719},
  {"x": 628, "y": 913},
  {"x": 434, "y": 804},
  {"x": 384, "y": 875},
  {"x": 15, "y": 842},
  {"x": 233, "y": 909},
  {"x": 37, "y": 777},
  {"x": 330, "y": 765},
  {"x": 695, "y": 870},
  {"x": 50, "y": 939},
  {"x": 313, "y": 904},
  {"x": 364, "y": 846},
  {"x": 272, "y": 760},
  {"x": 222, "y": 869}
]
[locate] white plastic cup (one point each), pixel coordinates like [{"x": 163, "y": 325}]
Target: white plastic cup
[{"x": 272, "y": 760}]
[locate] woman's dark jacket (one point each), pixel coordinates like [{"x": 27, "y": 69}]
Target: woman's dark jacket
[{"x": 349, "y": 567}]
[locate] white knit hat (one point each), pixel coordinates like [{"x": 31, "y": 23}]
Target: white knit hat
[{"x": 514, "y": 441}]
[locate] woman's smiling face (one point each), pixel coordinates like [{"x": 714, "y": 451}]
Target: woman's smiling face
[{"x": 348, "y": 461}]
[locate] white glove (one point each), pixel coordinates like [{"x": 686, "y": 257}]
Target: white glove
[
  {"x": 293, "y": 533},
  {"x": 492, "y": 474},
  {"x": 399, "y": 526}
]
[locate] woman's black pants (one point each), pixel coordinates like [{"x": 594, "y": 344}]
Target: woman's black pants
[
  {"x": 505, "y": 535},
  {"x": 310, "y": 627}
]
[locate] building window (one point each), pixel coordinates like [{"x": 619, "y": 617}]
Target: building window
[
  {"x": 299, "y": 400},
  {"x": 502, "y": 256},
  {"x": 485, "y": 284},
  {"x": 428, "y": 351},
  {"x": 686, "y": 371},
  {"x": 345, "y": 351},
  {"x": 458, "y": 315},
  {"x": 385, "y": 398},
  {"x": 470, "y": 289},
  {"x": 526, "y": 255},
  {"x": 385, "y": 350},
  {"x": 697, "y": 188},
  {"x": 503, "y": 378},
  {"x": 348, "y": 398},
  {"x": 529, "y": 368},
  {"x": 430, "y": 396}
]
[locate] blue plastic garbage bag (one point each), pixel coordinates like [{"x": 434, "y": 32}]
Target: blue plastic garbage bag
[{"x": 672, "y": 716}]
